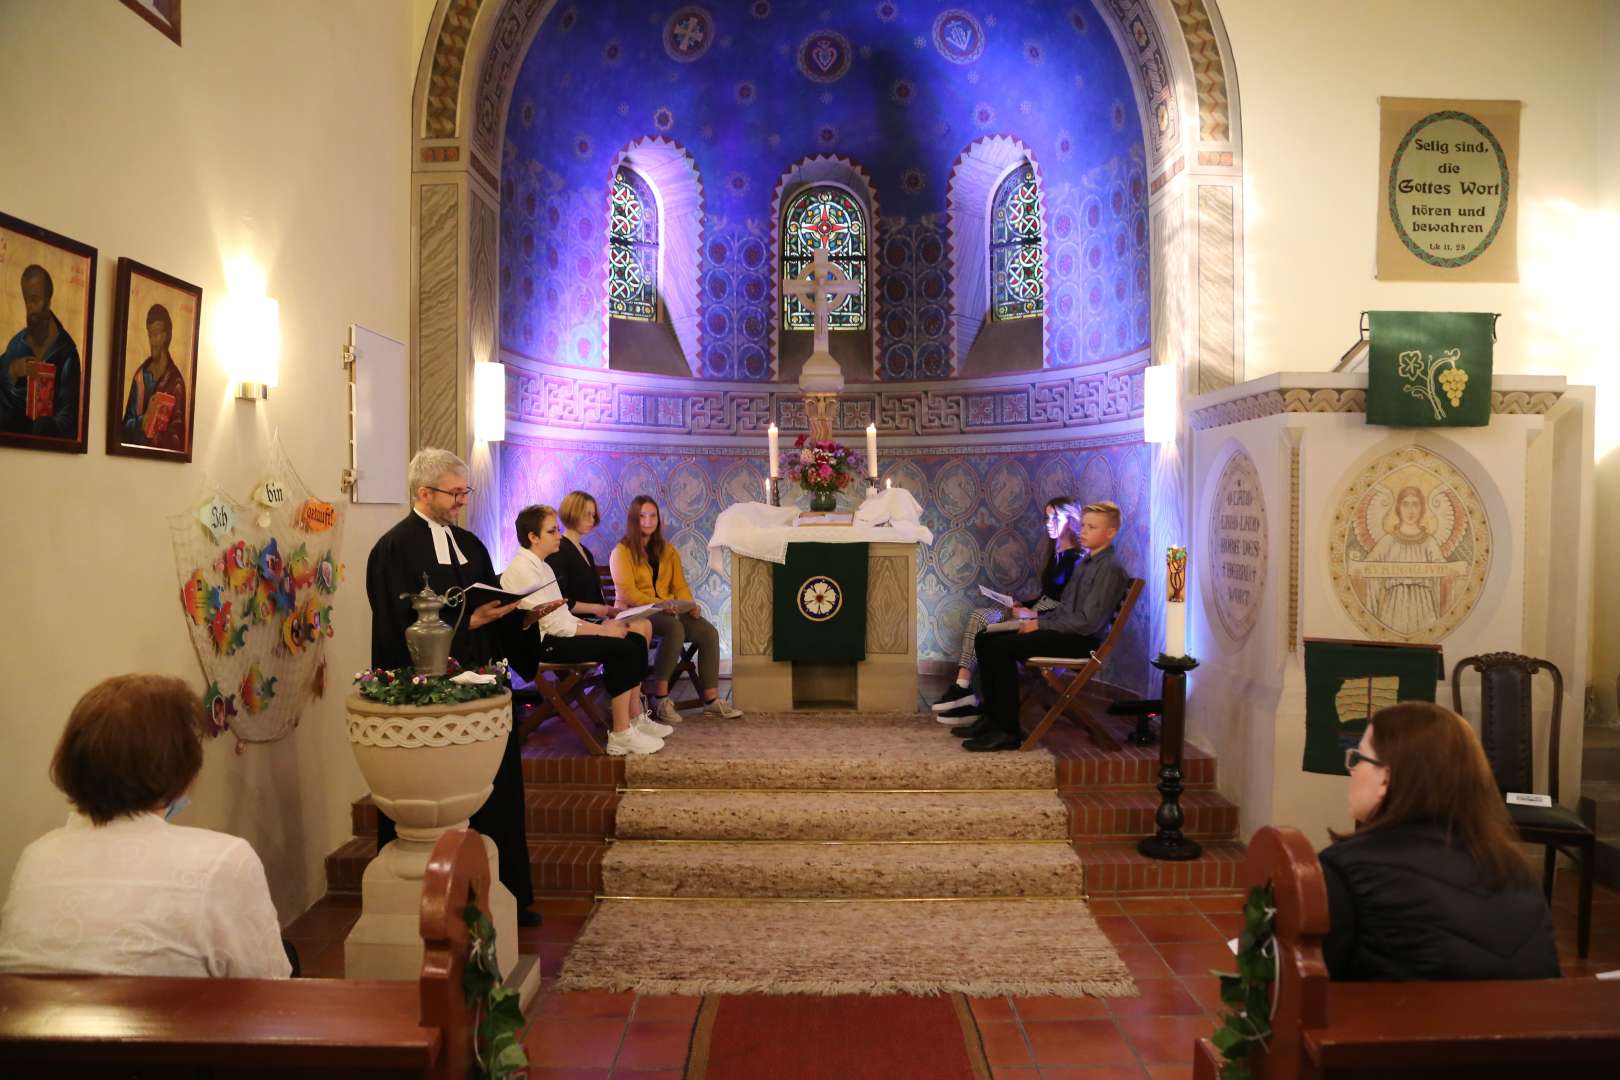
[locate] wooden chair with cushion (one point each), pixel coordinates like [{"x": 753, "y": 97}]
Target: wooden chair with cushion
[
  {"x": 1076, "y": 672},
  {"x": 1506, "y": 729}
]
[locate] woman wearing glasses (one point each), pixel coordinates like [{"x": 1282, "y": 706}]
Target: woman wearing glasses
[
  {"x": 1430, "y": 885},
  {"x": 1059, "y": 555},
  {"x": 573, "y": 562},
  {"x": 566, "y": 639}
]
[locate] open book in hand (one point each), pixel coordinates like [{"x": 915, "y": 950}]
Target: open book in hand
[
  {"x": 1005, "y": 626},
  {"x": 479, "y": 594},
  {"x": 999, "y": 597}
]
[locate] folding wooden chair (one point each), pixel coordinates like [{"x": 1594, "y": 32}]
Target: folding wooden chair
[
  {"x": 563, "y": 689},
  {"x": 687, "y": 666},
  {"x": 1079, "y": 671}
]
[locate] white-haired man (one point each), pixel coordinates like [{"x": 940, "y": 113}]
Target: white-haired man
[{"x": 429, "y": 542}]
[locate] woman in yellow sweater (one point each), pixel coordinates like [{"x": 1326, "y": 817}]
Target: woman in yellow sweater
[{"x": 647, "y": 570}]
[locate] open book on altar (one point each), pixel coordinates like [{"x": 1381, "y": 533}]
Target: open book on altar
[{"x": 823, "y": 517}]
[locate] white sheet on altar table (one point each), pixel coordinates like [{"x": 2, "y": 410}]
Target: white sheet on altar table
[{"x": 764, "y": 532}]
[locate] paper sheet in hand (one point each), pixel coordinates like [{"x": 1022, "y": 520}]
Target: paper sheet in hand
[
  {"x": 999, "y": 597},
  {"x": 675, "y": 607},
  {"x": 479, "y": 594},
  {"x": 634, "y": 613}
]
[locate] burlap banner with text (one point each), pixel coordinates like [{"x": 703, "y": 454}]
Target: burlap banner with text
[{"x": 1448, "y": 190}]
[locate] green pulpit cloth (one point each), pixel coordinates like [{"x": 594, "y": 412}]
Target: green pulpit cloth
[
  {"x": 819, "y": 603},
  {"x": 1429, "y": 368},
  {"x": 1346, "y": 682}
]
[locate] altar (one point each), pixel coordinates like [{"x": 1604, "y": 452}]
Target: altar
[{"x": 758, "y": 537}]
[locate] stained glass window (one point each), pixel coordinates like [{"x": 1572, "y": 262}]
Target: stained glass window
[
  {"x": 632, "y": 249},
  {"x": 1017, "y": 282},
  {"x": 825, "y": 217}
]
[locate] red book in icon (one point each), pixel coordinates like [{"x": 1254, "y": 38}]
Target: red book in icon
[
  {"x": 157, "y": 415},
  {"x": 42, "y": 391}
]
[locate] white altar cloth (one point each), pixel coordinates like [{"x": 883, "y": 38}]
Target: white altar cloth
[{"x": 764, "y": 532}]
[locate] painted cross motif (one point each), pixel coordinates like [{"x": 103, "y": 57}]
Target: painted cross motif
[
  {"x": 821, "y": 286},
  {"x": 689, "y": 33}
]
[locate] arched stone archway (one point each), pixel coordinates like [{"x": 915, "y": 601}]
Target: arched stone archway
[{"x": 1186, "y": 90}]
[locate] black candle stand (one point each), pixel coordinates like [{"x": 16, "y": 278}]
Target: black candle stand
[{"x": 1168, "y": 843}]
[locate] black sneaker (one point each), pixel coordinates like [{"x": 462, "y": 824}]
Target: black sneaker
[
  {"x": 965, "y": 711},
  {"x": 953, "y": 694}
]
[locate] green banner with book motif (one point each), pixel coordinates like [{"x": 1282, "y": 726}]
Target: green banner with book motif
[
  {"x": 1429, "y": 368},
  {"x": 1347, "y": 681},
  {"x": 819, "y": 603}
]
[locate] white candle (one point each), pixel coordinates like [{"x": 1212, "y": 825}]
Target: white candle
[
  {"x": 767, "y": 491},
  {"x": 776, "y": 453},
  {"x": 871, "y": 451},
  {"x": 888, "y": 482},
  {"x": 1175, "y": 628}
]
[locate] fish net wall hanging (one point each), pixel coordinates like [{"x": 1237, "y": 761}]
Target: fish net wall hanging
[{"x": 257, "y": 583}]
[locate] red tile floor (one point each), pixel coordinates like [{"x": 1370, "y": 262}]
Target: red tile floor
[{"x": 1170, "y": 945}]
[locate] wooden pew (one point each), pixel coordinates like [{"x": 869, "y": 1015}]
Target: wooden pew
[
  {"x": 1540, "y": 1027},
  {"x": 121, "y": 1026}
]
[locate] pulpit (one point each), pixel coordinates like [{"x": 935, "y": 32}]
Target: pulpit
[
  {"x": 885, "y": 681},
  {"x": 1309, "y": 522}
]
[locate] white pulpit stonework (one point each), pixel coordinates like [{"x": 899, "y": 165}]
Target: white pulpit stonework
[{"x": 1479, "y": 539}]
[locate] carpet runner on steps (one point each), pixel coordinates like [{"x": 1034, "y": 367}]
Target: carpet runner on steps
[
  {"x": 1006, "y": 814},
  {"x": 836, "y": 853},
  {"x": 844, "y": 871}
]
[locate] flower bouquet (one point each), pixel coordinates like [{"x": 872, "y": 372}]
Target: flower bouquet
[
  {"x": 823, "y": 469},
  {"x": 402, "y": 686}
]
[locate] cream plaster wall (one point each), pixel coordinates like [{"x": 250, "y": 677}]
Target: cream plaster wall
[
  {"x": 1311, "y": 77},
  {"x": 278, "y": 133}
]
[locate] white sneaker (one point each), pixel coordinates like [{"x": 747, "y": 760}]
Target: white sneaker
[
  {"x": 631, "y": 741},
  {"x": 666, "y": 713},
  {"x": 652, "y": 727},
  {"x": 722, "y": 709}
]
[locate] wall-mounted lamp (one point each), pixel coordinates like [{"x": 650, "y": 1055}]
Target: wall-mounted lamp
[
  {"x": 250, "y": 333},
  {"x": 489, "y": 401},
  {"x": 1159, "y": 404}
]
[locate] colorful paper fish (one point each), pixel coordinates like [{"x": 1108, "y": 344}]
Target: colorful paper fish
[
  {"x": 317, "y": 620},
  {"x": 226, "y": 639},
  {"x": 300, "y": 569},
  {"x": 292, "y": 632},
  {"x": 236, "y": 564},
  {"x": 327, "y": 573},
  {"x": 220, "y": 707},
  {"x": 257, "y": 690},
  {"x": 194, "y": 598},
  {"x": 256, "y": 608},
  {"x": 270, "y": 563}
]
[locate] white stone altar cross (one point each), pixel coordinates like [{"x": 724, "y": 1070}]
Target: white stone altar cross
[{"x": 821, "y": 286}]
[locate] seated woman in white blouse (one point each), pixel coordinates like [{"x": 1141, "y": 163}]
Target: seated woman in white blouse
[
  {"x": 120, "y": 891},
  {"x": 620, "y": 647}
]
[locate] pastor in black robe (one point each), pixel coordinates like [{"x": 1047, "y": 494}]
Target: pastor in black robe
[{"x": 396, "y": 565}]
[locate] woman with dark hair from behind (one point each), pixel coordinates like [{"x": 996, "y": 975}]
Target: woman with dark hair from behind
[
  {"x": 119, "y": 890},
  {"x": 1430, "y": 886}
]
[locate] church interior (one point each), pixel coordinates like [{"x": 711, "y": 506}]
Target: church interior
[{"x": 588, "y": 247}]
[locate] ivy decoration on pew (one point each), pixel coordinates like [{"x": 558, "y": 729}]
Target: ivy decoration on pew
[
  {"x": 497, "y": 1011},
  {"x": 402, "y": 686},
  {"x": 1247, "y": 1025}
]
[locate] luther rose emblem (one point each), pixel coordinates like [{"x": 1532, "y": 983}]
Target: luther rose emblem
[{"x": 820, "y": 598}]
